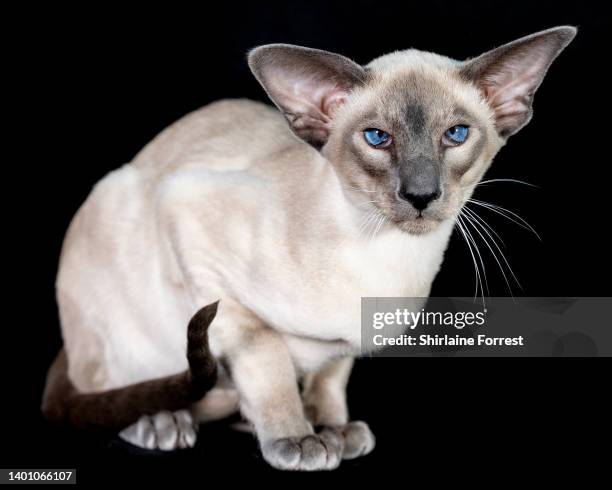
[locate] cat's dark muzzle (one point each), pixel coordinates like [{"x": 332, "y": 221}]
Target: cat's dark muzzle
[{"x": 416, "y": 221}]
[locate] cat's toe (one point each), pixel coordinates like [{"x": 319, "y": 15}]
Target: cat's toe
[
  {"x": 140, "y": 433},
  {"x": 165, "y": 431},
  {"x": 322, "y": 451},
  {"x": 187, "y": 429},
  {"x": 358, "y": 440}
]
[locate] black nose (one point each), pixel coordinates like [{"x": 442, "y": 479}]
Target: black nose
[{"x": 419, "y": 201}]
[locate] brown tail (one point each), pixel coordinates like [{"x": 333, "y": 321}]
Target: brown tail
[{"x": 118, "y": 408}]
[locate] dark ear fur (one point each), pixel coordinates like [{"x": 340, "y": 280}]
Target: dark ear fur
[
  {"x": 307, "y": 85},
  {"x": 509, "y": 75}
]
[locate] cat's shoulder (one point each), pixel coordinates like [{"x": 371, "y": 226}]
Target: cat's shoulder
[{"x": 223, "y": 129}]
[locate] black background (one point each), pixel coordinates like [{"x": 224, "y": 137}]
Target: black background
[{"x": 94, "y": 85}]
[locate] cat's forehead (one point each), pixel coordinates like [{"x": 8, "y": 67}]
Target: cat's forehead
[
  {"x": 421, "y": 88},
  {"x": 411, "y": 59}
]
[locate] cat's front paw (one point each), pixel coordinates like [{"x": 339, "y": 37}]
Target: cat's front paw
[
  {"x": 322, "y": 451},
  {"x": 358, "y": 439},
  {"x": 164, "y": 430}
]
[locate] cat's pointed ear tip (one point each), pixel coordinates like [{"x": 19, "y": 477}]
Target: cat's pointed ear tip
[
  {"x": 254, "y": 55},
  {"x": 568, "y": 32},
  {"x": 565, "y": 33},
  {"x": 260, "y": 55},
  {"x": 257, "y": 52}
]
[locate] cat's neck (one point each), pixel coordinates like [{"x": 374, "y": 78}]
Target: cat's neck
[{"x": 377, "y": 246}]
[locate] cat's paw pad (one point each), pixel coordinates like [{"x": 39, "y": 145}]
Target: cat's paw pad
[
  {"x": 165, "y": 431},
  {"x": 358, "y": 439},
  {"x": 322, "y": 451}
]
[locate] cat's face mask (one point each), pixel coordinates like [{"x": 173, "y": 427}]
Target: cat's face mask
[{"x": 411, "y": 133}]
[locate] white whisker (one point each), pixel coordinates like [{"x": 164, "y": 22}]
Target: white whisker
[
  {"x": 505, "y": 212},
  {"x": 482, "y": 264},
  {"x": 487, "y": 225},
  {"x": 369, "y": 202},
  {"x": 516, "y": 181},
  {"x": 365, "y": 222},
  {"x": 357, "y": 189},
  {"x": 477, "y": 281},
  {"x": 474, "y": 221},
  {"x": 379, "y": 221}
]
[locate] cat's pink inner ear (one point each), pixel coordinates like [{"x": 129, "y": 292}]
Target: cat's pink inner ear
[
  {"x": 313, "y": 97},
  {"x": 307, "y": 85},
  {"x": 308, "y": 103},
  {"x": 510, "y": 89},
  {"x": 333, "y": 101}
]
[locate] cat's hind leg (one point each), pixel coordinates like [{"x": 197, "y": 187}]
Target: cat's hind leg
[
  {"x": 165, "y": 431},
  {"x": 219, "y": 403}
]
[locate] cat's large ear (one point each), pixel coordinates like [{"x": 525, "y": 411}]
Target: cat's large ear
[
  {"x": 307, "y": 85},
  {"x": 509, "y": 75}
]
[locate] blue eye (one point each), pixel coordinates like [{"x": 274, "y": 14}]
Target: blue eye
[
  {"x": 457, "y": 134},
  {"x": 377, "y": 138}
]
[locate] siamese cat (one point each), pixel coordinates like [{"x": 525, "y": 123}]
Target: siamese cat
[{"x": 288, "y": 217}]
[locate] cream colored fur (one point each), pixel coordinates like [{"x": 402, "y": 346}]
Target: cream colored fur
[{"x": 228, "y": 204}]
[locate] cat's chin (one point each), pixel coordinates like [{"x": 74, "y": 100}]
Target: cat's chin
[{"x": 419, "y": 226}]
